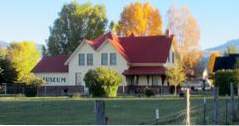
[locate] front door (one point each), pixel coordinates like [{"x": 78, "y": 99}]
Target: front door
[{"x": 78, "y": 79}]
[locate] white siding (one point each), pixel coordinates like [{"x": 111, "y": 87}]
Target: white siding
[
  {"x": 74, "y": 67},
  {"x": 55, "y": 75},
  {"x": 169, "y": 62}
]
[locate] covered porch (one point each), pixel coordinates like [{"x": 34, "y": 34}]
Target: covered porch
[{"x": 140, "y": 78}]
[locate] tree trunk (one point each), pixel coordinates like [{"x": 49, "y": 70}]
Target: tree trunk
[{"x": 175, "y": 90}]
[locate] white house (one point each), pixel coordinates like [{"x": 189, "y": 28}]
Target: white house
[{"x": 142, "y": 61}]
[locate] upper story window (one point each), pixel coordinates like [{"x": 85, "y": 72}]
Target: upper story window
[
  {"x": 113, "y": 59},
  {"x": 89, "y": 59},
  {"x": 104, "y": 59},
  {"x": 81, "y": 59}
]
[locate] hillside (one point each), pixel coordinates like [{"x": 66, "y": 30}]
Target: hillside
[
  {"x": 6, "y": 44},
  {"x": 222, "y": 48},
  {"x": 3, "y": 44}
]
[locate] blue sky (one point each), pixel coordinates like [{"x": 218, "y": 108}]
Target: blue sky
[{"x": 30, "y": 20}]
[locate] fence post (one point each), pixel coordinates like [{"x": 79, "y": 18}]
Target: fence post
[
  {"x": 238, "y": 97},
  {"x": 233, "y": 114},
  {"x": 188, "y": 107},
  {"x": 215, "y": 105},
  {"x": 204, "y": 111},
  {"x": 5, "y": 88},
  {"x": 44, "y": 90},
  {"x": 227, "y": 111},
  {"x": 157, "y": 115},
  {"x": 100, "y": 112}
]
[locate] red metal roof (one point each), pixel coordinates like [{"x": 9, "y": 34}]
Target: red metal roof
[
  {"x": 51, "y": 64},
  {"x": 145, "y": 70},
  {"x": 143, "y": 49}
]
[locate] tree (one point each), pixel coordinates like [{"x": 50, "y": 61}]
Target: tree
[
  {"x": 176, "y": 75},
  {"x": 23, "y": 56},
  {"x": 1, "y": 70},
  {"x": 141, "y": 19},
  {"x": 75, "y": 22},
  {"x": 223, "y": 78},
  {"x": 185, "y": 29},
  {"x": 212, "y": 61},
  {"x": 3, "y": 52},
  {"x": 2, "y": 55},
  {"x": 231, "y": 50},
  {"x": 44, "y": 51},
  {"x": 8, "y": 73},
  {"x": 113, "y": 26},
  {"x": 103, "y": 82}
]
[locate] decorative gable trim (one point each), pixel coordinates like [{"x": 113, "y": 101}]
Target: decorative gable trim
[{"x": 77, "y": 50}]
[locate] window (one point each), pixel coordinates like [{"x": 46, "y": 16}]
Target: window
[
  {"x": 89, "y": 59},
  {"x": 78, "y": 78},
  {"x": 147, "y": 79},
  {"x": 81, "y": 59},
  {"x": 104, "y": 59},
  {"x": 112, "y": 58},
  {"x": 155, "y": 80}
]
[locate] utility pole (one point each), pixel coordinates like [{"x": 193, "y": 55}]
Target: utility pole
[{"x": 188, "y": 107}]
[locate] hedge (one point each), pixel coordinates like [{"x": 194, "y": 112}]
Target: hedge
[{"x": 223, "y": 78}]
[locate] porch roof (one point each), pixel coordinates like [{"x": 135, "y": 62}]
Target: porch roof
[{"x": 145, "y": 70}]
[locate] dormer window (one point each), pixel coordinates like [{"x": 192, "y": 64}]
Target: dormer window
[
  {"x": 113, "y": 59},
  {"x": 89, "y": 59},
  {"x": 104, "y": 59},
  {"x": 81, "y": 59}
]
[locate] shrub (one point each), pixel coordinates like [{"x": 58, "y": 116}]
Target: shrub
[
  {"x": 223, "y": 79},
  {"x": 148, "y": 92},
  {"x": 95, "y": 89},
  {"x": 30, "y": 91},
  {"x": 75, "y": 95},
  {"x": 102, "y": 82},
  {"x": 19, "y": 95}
]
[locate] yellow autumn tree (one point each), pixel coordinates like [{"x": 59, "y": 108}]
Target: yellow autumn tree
[
  {"x": 212, "y": 60},
  {"x": 24, "y": 56},
  {"x": 185, "y": 29},
  {"x": 141, "y": 19}
]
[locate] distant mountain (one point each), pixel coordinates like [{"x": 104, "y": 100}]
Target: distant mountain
[
  {"x": 6, "y": 44},
  {"x": 3, "y": 44},
  {"x": 223, "y": 47}
]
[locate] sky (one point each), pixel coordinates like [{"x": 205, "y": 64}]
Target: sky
[{"x": 30, "y": 19}]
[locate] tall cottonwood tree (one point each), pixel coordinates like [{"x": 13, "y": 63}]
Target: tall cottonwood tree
[
  {"x": 23, "y": 56},
  {"x": 75, "y": 22},
  {"x": 186, "y": 32},
  {"x": 8, "y": 73},
  {"x": 141, "y": 19}
]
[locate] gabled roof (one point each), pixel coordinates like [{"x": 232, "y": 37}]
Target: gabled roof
[
  {"x": 143, "y": 49},
  {"x": 51, "y": 64},
  {"x": 150, "y": 49},
  {"x": 226, "y": 62}
]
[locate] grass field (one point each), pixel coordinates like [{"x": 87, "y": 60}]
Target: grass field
[{"x": 64, "y": 110}]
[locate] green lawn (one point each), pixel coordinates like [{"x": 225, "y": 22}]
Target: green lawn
[{"x": 21, "y": 110}]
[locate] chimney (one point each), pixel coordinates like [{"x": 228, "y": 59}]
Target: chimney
[
  {"x": 131, "y": 35},
  {"x": 168, "y": 33}
]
